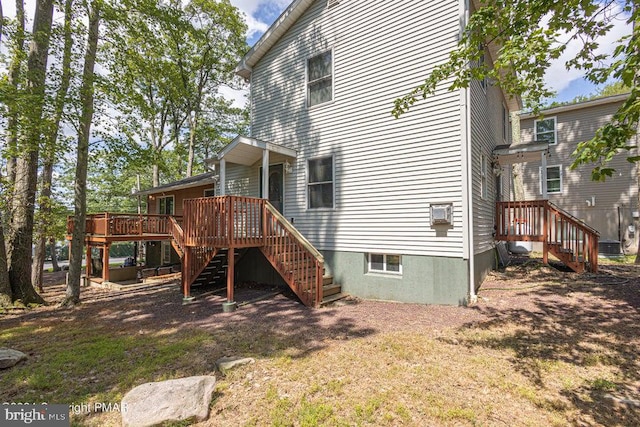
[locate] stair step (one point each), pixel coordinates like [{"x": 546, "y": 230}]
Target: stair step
[
  {"x": 332, "y": 298},
  {"x": 327, "y": 280},
  {"x": 331, "y": 289}
]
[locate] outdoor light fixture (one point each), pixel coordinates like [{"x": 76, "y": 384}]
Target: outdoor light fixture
[{"x": 287, "y": 167}]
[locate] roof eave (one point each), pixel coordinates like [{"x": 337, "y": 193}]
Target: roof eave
[{"x": 271, "y": 36}]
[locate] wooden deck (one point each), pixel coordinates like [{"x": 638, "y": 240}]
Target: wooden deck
[
  {"x": 571, "y": 240},
  {"x": 118, "y": 227},
  {"x": 211, "y": 231}
]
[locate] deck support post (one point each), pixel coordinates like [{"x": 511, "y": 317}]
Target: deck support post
[
  {"x": 230, "y": 305},
  {"x": 88, "y": 260},
  {"x": 184, "y": 274},
  {"x": 105, "y": 262}
]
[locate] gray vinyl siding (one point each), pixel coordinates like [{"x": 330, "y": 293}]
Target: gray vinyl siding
[
  {"x": 486, "y": 133},
  {"x": 387, "y": 172},
  {"x": 615, "y": 199}
]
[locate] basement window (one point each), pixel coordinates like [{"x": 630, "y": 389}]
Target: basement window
[{"x": 384, "y": 263}]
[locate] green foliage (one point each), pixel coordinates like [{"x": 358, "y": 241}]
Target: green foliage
[
  {"x": 166, "y": 62},
  {"x": 525, "y": 36}
]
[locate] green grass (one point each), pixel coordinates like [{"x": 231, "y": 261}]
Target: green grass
[{"x": 78, "y": 363}]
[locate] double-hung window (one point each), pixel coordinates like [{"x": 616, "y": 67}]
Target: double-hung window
[
  {"x": 320, "y": 79},
  {"x": 545, "y": 130},
  {"x": 554, "y": 179},
  {"x": 320, "y": 181}
]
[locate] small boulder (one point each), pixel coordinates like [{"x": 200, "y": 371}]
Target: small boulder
[
  {"x": 9, "y": 357},
  {"x": 185, "y": 399},
  {"x": 226, "y": 363}
]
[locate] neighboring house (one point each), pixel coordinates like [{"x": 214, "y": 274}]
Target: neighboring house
[
  {"x": 611, "y": 207},
  {"x": 401, "y": 209}
]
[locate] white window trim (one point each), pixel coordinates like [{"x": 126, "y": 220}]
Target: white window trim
[
  {"x": 540, "y": 179},
  {"x": 555, "y": 129},
  {"x": 333, "y": 183},
  {"x": 173, "y": 204},
  {"x": 484, "y": 181},
  {"x": 333, "y": 79},
  {"x": 204, "y": 192},
  {"x": 384, "y": 265}
]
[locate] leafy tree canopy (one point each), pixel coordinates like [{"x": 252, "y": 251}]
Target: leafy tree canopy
[{"x": 523, "y": 36}]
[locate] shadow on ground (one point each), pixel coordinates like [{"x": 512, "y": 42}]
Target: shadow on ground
[{"x": 553, "y": 320}]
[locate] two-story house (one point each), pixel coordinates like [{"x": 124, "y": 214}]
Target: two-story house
[
  {"x": 610, "y": 207},
  {"x": 330, "y": 193}
]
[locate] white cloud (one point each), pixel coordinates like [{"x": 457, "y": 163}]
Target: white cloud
[
  {"x": 559, "y": 78},
  {"x": 238, "y": 96},
  {"x": 255, "y": 22}
]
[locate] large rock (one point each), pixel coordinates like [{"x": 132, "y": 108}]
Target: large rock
[
  {"x": 9, "y": 358},
  {"x": 174, "y": 400},
  {"x": 225, "y": 364}
]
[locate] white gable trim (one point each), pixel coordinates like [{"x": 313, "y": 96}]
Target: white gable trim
[{"x": 271, "y": 36}]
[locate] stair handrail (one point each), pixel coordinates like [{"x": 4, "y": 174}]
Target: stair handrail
[
  {"x": 175, "y": 230},
  {"x": 291, "y": 229},
  {"x": 578, "y": 221}
]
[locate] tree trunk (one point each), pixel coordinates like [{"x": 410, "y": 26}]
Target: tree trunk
[
  {"x": 42, "y": 231},
  {"x": 5, "y": 285},
  {"x": 80, "y": 190},
  {"x": 516, "y": 168},
  {"x": 24, "y": 190},
  {"x": 54, "y": 255},
  {"x": 13, "y": 108},
  {"x": 193, "y": 123}
]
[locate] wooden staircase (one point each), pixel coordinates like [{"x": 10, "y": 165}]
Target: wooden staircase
[
  {"x": 569, "y": 239},
  {"x": 215, "y": 226}
]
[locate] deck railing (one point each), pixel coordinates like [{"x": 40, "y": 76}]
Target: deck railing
[
  {"x": 567, "y": 237},
  {"x": 115, "y": 224},
  {"x": 295, "y": 258},
  {"x": 224, "y": 221}
]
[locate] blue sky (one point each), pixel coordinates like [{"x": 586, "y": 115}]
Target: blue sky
[
  {"x": 260, "y": 14},
  {"x": 568, "y": 84}
]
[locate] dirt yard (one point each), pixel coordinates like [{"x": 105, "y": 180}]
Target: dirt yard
[{"x": 541, "y": 347}]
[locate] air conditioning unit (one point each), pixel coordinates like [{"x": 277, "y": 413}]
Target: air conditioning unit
[
  {"x": 609, "y": 247},
  {"x": 331, "y": 3},
  {"x": 442, "y": 214}
]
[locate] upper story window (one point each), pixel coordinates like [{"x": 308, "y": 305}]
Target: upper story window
[
  {"x": 546, "y": 130},
  {"x": 320, "y": 183},
  {"x": 320, "y": 79}
]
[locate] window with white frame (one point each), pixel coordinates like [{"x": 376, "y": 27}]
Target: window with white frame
[
  {"x": 320, "y": 79},
  {"x": 483, "y": 176},
  {"x": 554, "y": 179},
  {"x": 320, "y": 181},
  {"x": 384, "y": 263},
  {"x": 545, "y": 130},
  {"x": 211, "y": 192}
]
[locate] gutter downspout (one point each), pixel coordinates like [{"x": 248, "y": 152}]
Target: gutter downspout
[{"x": 467, "y": 170}]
